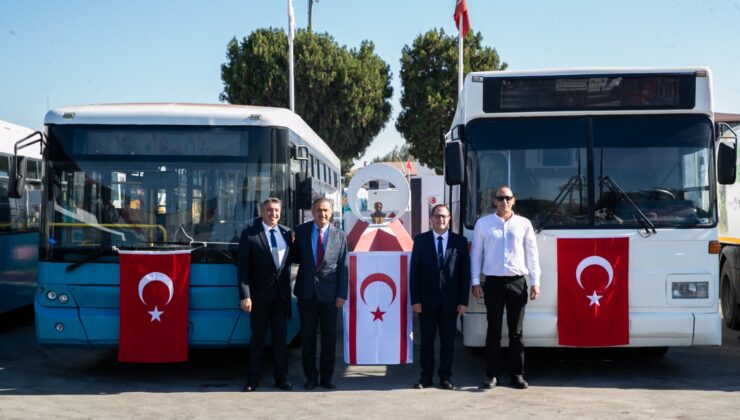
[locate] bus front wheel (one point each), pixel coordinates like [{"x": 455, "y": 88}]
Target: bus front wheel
[{"x": 728, "y": 298}]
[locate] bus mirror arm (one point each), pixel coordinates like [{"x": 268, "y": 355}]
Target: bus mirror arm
[{"x": 17, "y": 170}]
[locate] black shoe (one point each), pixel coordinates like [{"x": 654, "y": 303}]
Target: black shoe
[
  {"x": 328, "y": 385},
  {"x": 249, "y": 387},
  {"x": 446, "y": 384},
  {"x": 490, "y": 383},
  {"x": 284, "y": 385},
  {"x": 423, "y": 383},
  {"x": 518, "y": 381},
  {"x": 310, "y": 384}
]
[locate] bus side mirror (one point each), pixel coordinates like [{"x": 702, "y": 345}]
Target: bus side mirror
[
  {"x": 726, "y": 158},
  {"x": 454, "y": 174},
  {"x": 304, "y": 193},
  {"x": 16, "y": 176}
]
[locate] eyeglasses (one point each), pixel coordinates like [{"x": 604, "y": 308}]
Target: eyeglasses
[
  {"x": 504, "y": 197},
  {"x": 440, "y": 216}
]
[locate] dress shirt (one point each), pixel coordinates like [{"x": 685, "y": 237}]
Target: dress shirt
[
  {"x": 504, "y": 248},
  {"x": 315, "y": 238},
  {"x": 445, "y": 236},
  {"x": 282, "y": 247}
]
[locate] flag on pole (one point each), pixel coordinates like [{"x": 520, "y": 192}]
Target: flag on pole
[
  {"x": 291, "y": 35},
  {"x": 593, "y": 291},
  {"x": 377, "y": 315},
  {"x": 154, "y": 306},
  {"x": 461, "y": 11}
]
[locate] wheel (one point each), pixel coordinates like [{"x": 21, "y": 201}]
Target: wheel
[{"x": 729, "y": 299}]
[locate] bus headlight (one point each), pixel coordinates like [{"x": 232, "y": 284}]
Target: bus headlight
[
  {"x": 690, "y": 290},
  {"x": 63, "y": 298},
  {"x": 51, "y": 295},
  {"x": 59, "y": 327}
]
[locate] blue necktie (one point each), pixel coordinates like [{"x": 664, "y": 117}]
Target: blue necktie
[
  {"x": 440, "y": 251},
  {"x": 274, "y": 248}
]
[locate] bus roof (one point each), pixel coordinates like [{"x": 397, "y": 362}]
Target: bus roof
[
  {"x": 190, "y": 114},
  {"x": 11, "y": 133},
  {"x": 588, "y": 71}
]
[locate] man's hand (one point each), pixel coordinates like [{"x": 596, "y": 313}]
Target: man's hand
[
  {"x": 339, "y": 303},
  {"x": 461, "y": 309},
  {"x": 477, "y": 291},
  {"x": 416, "y": 307},
  {"x": 534, "y": 292},
  {"x": 246, "y": 305}
]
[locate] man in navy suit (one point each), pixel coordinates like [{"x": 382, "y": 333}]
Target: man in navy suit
[
  {"x": 440, "y": 284},
  {"x": 321, "y": 288},
  {"x": 264, "y": 289}
]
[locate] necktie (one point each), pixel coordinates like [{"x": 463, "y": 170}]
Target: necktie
[
  {"x": 319, "y": 249},
  {"x": 274, "y": 248},
  {"x": 440, "y": 251}
]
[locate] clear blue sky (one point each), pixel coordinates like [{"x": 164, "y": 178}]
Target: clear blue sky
[{"x": 71, "y": 52}]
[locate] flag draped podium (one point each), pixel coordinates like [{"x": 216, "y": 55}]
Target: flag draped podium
[
  {"x": 593, "y": 292},
  {"x": 377, "y": 316},
  {"x": 154, "y": 306}
]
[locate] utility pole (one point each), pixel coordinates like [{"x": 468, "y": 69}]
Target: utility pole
[{"x": 310, "y": 7}]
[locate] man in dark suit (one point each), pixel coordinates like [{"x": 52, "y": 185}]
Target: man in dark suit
[
  {"x": 264, "y": 289},
  {"x": 321, "y": 288},
  {"x": 440, "y": 283}
]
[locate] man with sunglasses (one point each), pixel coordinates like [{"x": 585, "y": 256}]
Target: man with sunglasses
[{"x": 504, "y": 250}]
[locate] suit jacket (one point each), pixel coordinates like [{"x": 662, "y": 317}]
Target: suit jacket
[
  {"x": 256, "y": 270},
  {"x": 426, "y": 273},
  {"x": 328, "y": 281}
]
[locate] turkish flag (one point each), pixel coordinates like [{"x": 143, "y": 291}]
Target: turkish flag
[
  {"x": 461, "y": 9},
  {"x": 377, "y": 321},
  {"x": 593, "y": 292},
  {"x": 154, "y": 306}
]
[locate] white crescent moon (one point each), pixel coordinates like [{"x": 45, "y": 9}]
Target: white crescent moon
[
  {"x": 594, "y": 260},
  {"x": 155, "y": 276}
]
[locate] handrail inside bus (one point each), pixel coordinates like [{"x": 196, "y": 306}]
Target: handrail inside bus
[{"x": 114, "y": 225}]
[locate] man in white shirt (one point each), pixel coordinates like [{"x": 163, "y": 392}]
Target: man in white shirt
[{"x": 504, "y": 250}]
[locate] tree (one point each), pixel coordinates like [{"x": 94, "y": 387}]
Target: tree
[
  {"x": 429, "y": 82},
  {"x": 398, "y": 154},
  {"x": 344, "y": 95}
]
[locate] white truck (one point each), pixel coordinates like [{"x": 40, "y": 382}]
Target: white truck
[{"x": 729, "y": 235}]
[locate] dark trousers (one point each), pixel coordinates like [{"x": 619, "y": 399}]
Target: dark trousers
[
  {"x": 429, "y": 321},
  {"x": 509, "y": 292},
  {"x": 315, "y": 313},
  {"x": 272, "y": 315}
]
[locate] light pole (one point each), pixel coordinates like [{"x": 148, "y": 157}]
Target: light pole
[{"x": 310, "y": 7}]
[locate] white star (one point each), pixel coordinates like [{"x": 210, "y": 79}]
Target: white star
[
  {"x": 156, "y": 313},
  {"x": 594, "y": 299}
]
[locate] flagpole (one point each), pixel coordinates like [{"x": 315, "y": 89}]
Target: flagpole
[
  {"x": 460, "y": 56},
  {"x": 291, "y": 35}
]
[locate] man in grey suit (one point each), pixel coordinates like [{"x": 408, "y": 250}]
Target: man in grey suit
[{"x": 321, "y": 288}]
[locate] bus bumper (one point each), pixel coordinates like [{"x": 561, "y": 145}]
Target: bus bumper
[
  {"x": 646, "y": 329},
  {"x": 99, "y": 327}
]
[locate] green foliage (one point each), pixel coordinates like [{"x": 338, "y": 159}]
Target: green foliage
[
  {"x": 343, "y": 94},
  {"x": 429, "y": 81},
  {"x": 398, "y": 154}
]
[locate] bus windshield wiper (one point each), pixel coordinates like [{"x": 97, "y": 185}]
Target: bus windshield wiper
[
  {"x": 572, "y": 182},
  {"x": 645, "y": 223},
  {"x": 92, "y": 257}
]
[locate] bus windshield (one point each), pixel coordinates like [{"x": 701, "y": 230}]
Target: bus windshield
[
  {"x": 136, "y": 187},
  {"x": 662, "y": 163}
]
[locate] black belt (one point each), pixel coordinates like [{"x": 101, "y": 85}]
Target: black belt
[{"x": 504, "y": 277}]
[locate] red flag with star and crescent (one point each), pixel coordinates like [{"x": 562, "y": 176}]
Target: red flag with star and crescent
[
  {"x": 377, "y": 314},
  {"x": 153, "y": 326},
  {"x": 593, "y": 292}
]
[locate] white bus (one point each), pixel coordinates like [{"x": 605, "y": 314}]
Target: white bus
[
  {"x": 144, "y": 176},
  {"x": 600, "y": 153},
  {"x": 19, "y": 222}
]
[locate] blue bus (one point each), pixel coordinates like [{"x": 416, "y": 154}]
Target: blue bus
[
  {"x": 19, "y": 223},
  {"x": 149, "y": 176}
]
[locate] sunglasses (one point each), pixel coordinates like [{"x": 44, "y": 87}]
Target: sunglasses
[{"x": 504, "y": 197}]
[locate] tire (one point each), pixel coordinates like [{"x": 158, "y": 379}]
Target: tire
[
  {"x": 653, "y": 352},
  {"x": 728, "y": 298}
]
